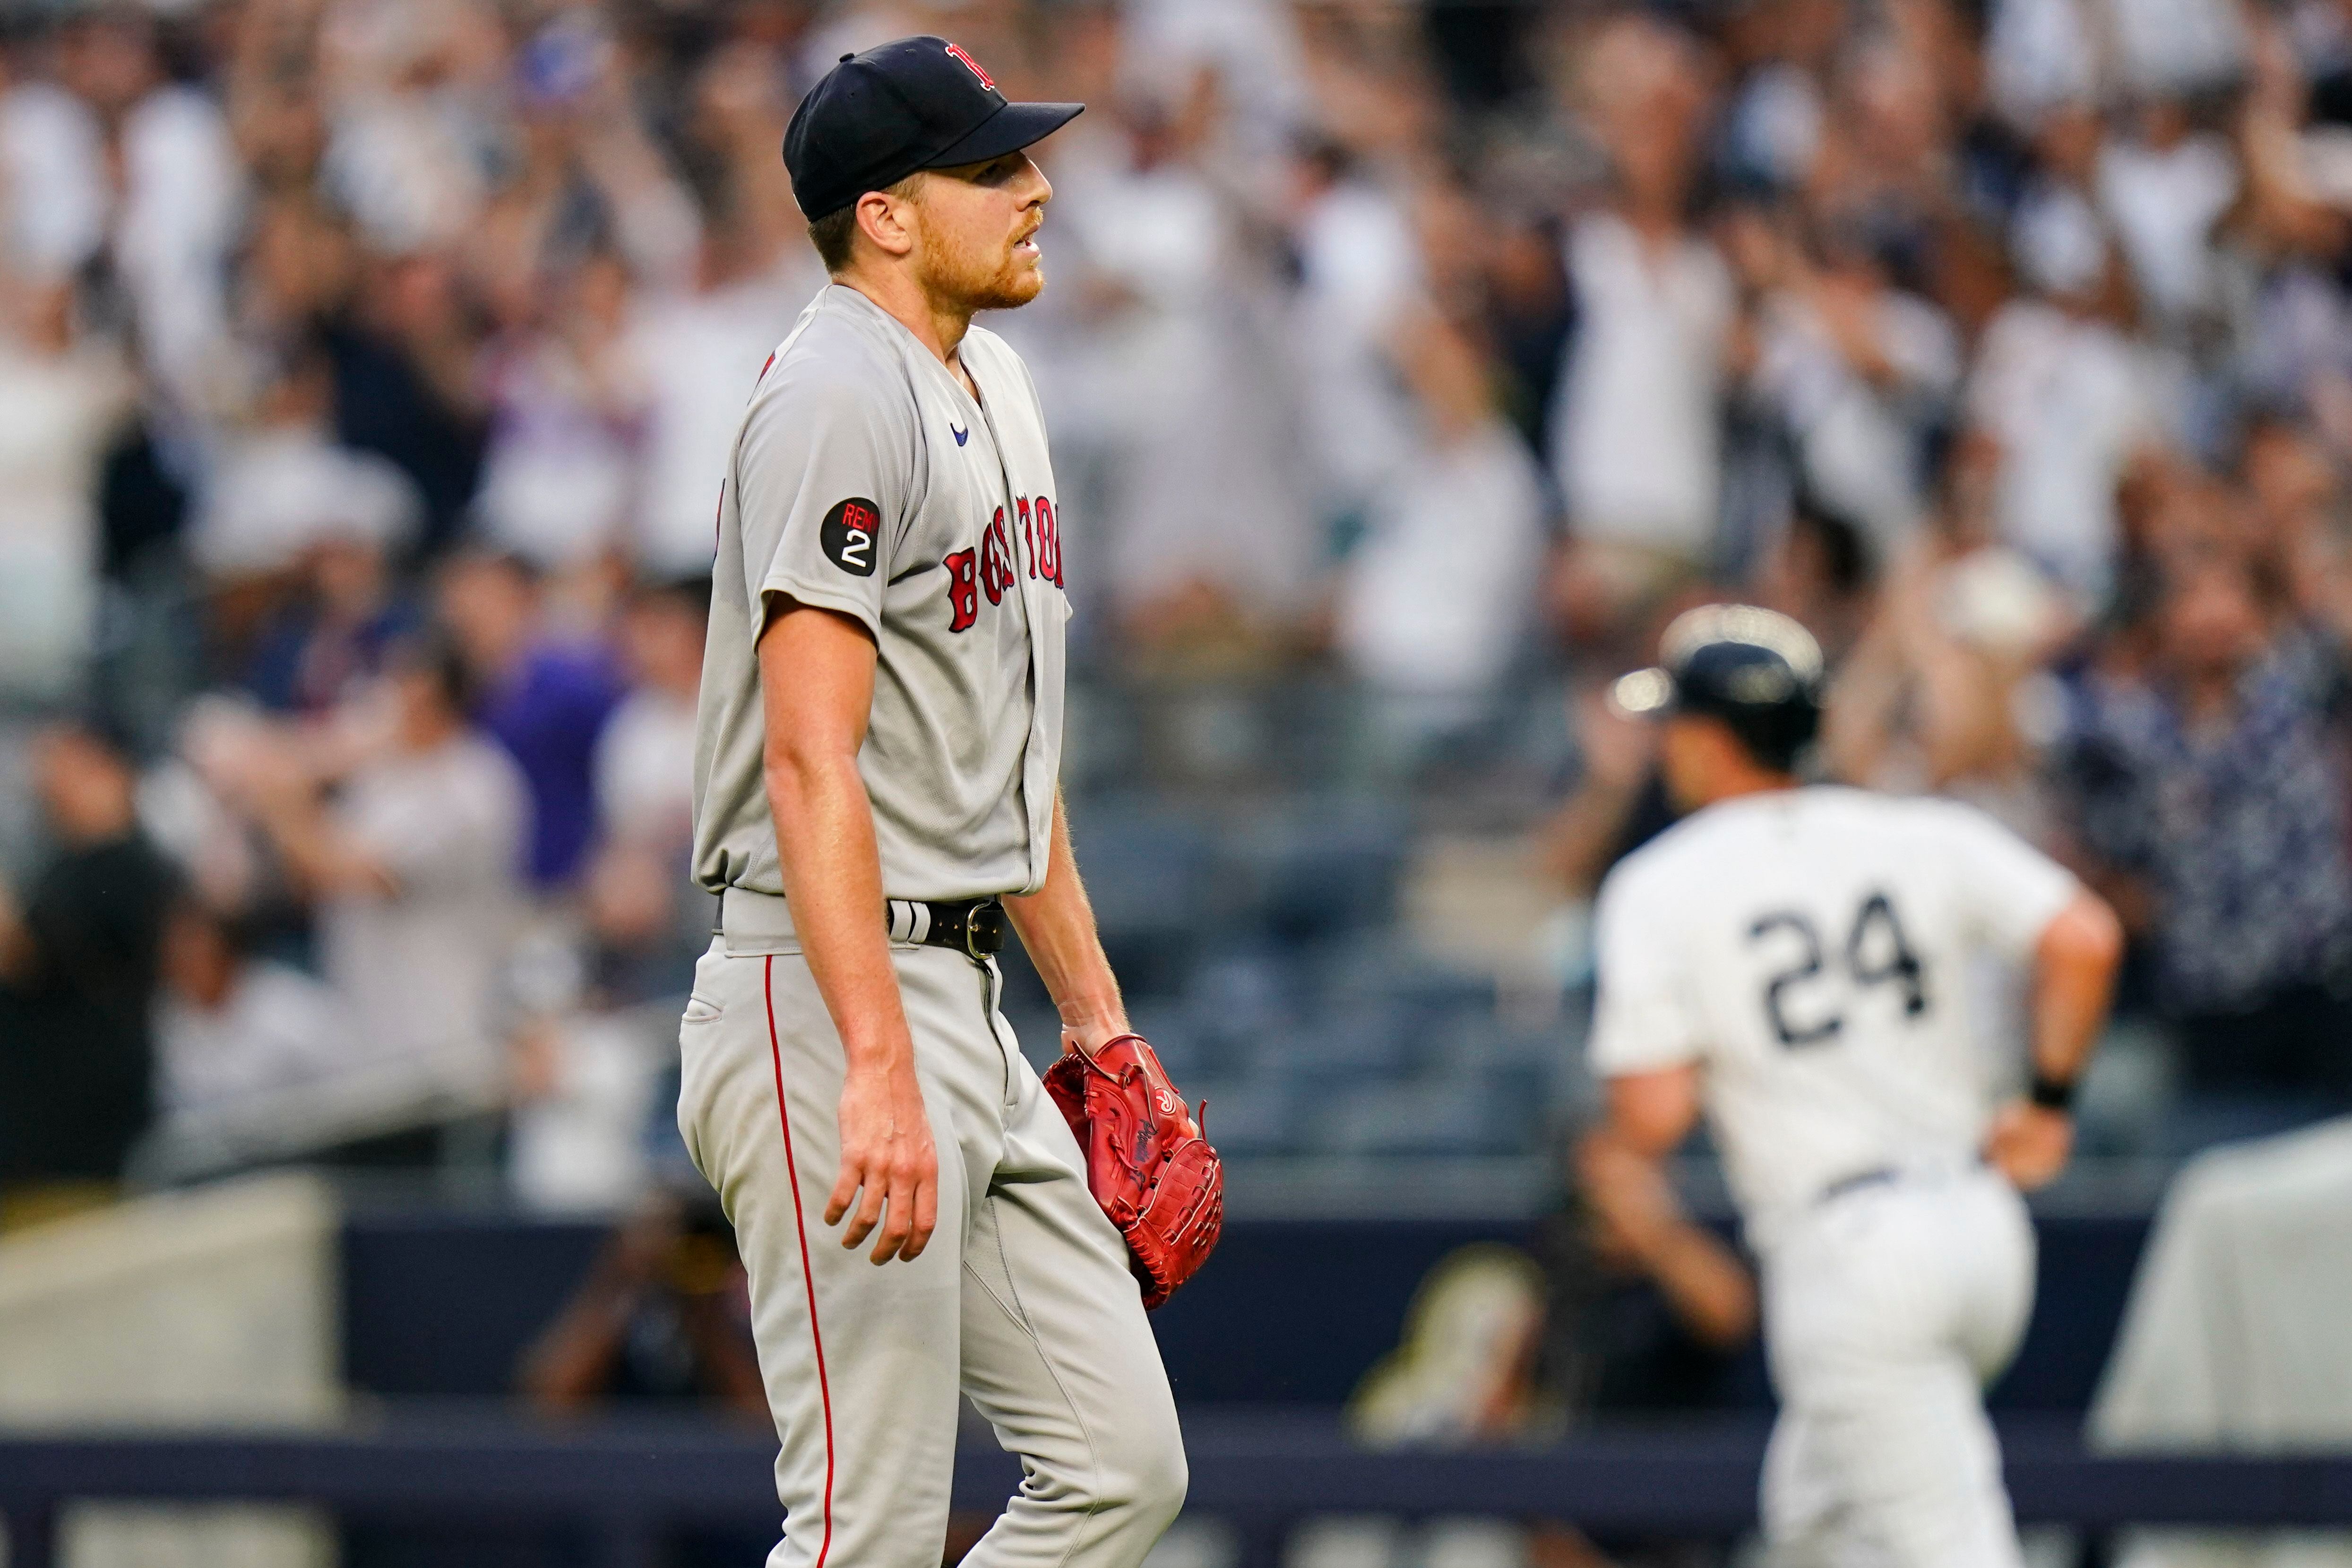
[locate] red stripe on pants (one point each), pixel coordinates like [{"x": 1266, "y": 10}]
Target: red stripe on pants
[{"x": 800, "y": 1223}]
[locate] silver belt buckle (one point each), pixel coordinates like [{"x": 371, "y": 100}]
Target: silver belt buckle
[{"x": 971, "y": 929}]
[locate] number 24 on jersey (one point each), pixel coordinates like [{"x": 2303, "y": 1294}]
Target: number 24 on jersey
[{"x": 1800, "y": 998}]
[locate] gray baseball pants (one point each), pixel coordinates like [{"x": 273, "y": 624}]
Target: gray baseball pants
[{"x": 1022, "y": 1302}]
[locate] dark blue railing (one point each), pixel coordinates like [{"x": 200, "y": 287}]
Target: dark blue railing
[{"x": 628, "y": 1486}]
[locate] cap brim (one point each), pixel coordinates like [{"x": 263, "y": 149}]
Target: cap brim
[
  {"x": 1010, "y": 129},
  {"x": 1645, "y": 694}
]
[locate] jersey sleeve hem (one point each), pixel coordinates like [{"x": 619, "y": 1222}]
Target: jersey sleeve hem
[
  {"x": 1643, "y": 1009},
  {"x": 1616, "y": 1060},
  {"x": 817, "y": 595},
  {"x": 2036, "y": 907}
]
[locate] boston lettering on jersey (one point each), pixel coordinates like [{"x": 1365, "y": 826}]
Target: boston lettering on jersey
[{"x": 991, "y": 568}]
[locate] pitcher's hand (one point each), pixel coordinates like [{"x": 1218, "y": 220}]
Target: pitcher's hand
[
  {"x": 888, "y": 1156},
  {"x": 1091, "y": 1025},
  {"x": 2028, "y": 1144}
]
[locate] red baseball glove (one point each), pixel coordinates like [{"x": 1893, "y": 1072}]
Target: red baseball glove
[{"x": 1147, "y": 1163}]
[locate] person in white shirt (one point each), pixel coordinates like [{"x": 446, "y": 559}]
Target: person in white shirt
[
  {"x": 2067, "y": 393},
  {"x": 1636, "y": 441},
  {"x": 62, "y": 395},
  {"x": 1433, "y": 603},
  {"x": 414, "y": 869},
  {"x": 284, "y": 485},
  {"x": 248, "y": 1050},
  {"x": 693, "y": 355},
  {"x": 1792, "y": 960}
]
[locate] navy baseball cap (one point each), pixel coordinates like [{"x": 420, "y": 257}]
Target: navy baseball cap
[
  {"x": 910, "y": 104},
  {"x": 1758, "y": 670}
]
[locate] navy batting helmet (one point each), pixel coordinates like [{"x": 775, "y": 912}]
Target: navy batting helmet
[{"x": 1757, "y": 671}]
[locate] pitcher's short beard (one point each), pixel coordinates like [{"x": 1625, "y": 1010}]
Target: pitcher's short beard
[
  {"x": 1014, "y": 289},
  {"x": 1007, "y": 286}
]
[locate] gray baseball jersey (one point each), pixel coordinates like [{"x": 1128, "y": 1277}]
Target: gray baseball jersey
[{"x": 866, "y": 480}]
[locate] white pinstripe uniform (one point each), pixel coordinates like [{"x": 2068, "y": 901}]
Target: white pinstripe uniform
[
  {"x": 1807, "y": 949},
  {"x": 865, "y": 480}
]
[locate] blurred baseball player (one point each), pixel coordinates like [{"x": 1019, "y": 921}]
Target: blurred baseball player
[
  {"x": 1794, "y": 960},
  {"x": 879, "y": 742}
]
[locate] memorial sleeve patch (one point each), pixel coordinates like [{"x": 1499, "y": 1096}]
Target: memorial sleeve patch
[{"x": 851, "y": 535}]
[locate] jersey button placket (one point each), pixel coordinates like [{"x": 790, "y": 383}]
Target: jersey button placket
[{"x": 1036, "y": 800}]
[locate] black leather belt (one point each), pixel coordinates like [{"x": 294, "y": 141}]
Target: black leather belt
[{"x": 973, "y": 927}]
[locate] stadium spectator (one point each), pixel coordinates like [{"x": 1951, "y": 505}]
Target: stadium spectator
[
  {"x": 1435, "y": 601},
  {"x": 559, "y": 472},
  {"x": 544, "y": 692},
  {"x": 1939, "y": 694},
  {"x": 407, "y": 384},
  {"x": 2204, "y": 778},
  {"x": 345, "y": 616},
  {"x": 158, "y": 198},
  {"x": 61, "y": 395},
  {"x": 642, "y": 903},
  {"x": 1855, "y": 372},
  {"x": 644, "y": 757},
  {"x": 410, "y": 870},
  {"x": 584, "y": 176},
  {"x": 692, "y": 356},
  {"x": 584, "y": 1081},
  {"x": 239, "y": 1039},
  {"x": 1821, "y": 568},
  {"x": 282, "y": 488},
  {"x": 2065, "y": 395},
  {"x": 665, "y": 1315},
  {"x": 77, "y": 976},
  {"x": 2166, "y": 184},
  {"x": 1169, "y": 363},
  {"x": 1637, "y": 443},
  {"x": 1361, "y": 278},
  {"x": 384, "y": 278}
]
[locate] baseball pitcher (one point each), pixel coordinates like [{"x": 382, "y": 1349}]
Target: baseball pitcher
[
  {"x": 876, "y": 770},
  {"x": 1793, "y": 959}
]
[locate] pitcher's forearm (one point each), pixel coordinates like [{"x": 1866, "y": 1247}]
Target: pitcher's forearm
[
  {"x": 833, "y": 880},
  {"x": 1056, "y": 924}
]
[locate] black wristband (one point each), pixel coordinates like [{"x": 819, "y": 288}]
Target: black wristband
[{"x": 2052, "y": 1094}]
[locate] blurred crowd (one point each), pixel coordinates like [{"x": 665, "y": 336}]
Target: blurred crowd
[{"x": 368, "y": 368}]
